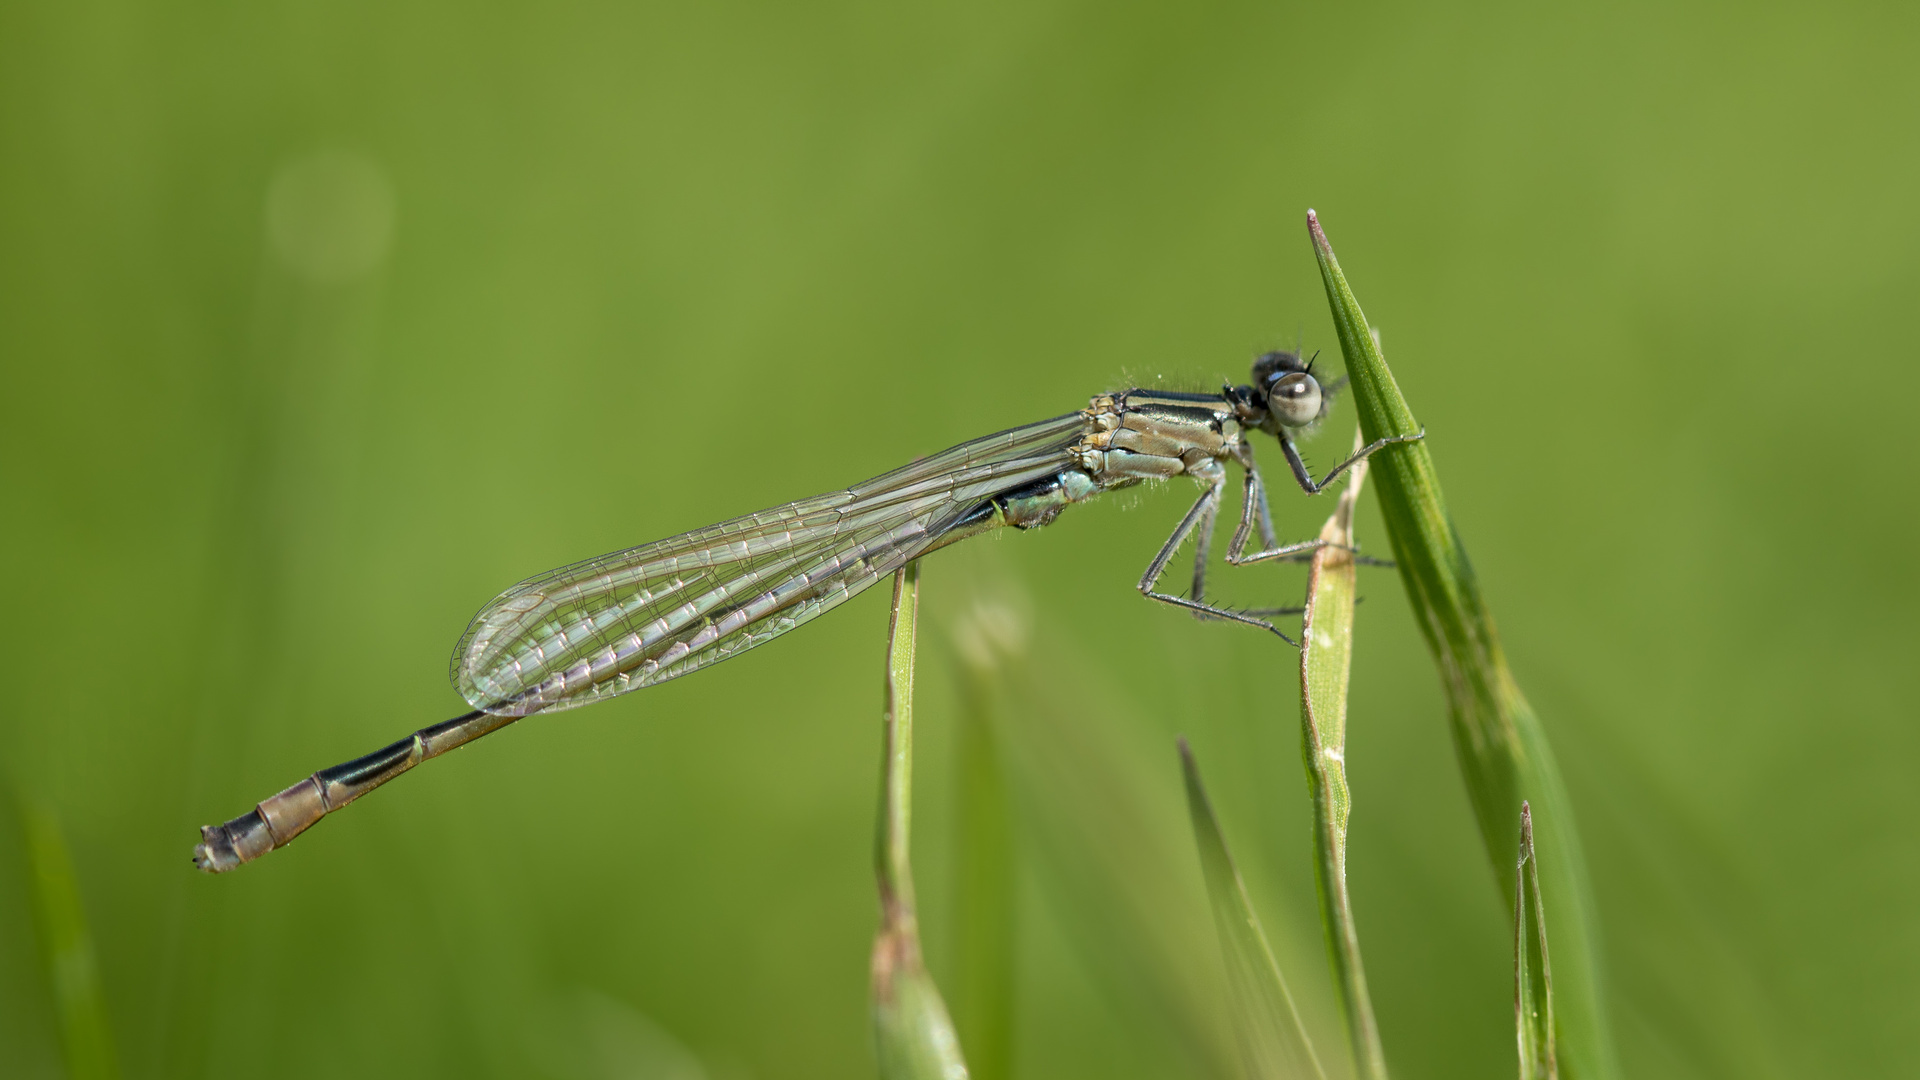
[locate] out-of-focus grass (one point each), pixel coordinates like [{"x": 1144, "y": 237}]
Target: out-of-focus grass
[
  {"x": 912, "y": 1032},
  {"x": 1273, "y": 1041},
  {"x": 989, "y": 637},
  {"x": 1532, "y": 966},
  {"x": 654, "y": 265},
  {"x": 68, "y": 948},
  {"x": 1498, "y": 741},
  {"x": 1102, "y": 855}
]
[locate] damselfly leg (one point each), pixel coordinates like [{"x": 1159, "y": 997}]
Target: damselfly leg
[
  {"x": 1254, "y": 514},
  {"x": 1204, "y": 510},
  {"x": 1305, "y": 478}
]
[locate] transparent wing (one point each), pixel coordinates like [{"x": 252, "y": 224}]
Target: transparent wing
[{"x": 602, "y": 627}]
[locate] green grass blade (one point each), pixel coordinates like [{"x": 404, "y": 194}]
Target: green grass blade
[
  {"x": 1501, "y": 748},
  {"x": 1532, "y": 992},
  {"x": 68, "y": 947},
  {"x": 1326, "y": 658},
  {"x": 914, "y": 1037},
  {"x": 1273, "y": 1040}
]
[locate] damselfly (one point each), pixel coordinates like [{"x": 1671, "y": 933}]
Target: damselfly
[{"x": 599, "y": 628}]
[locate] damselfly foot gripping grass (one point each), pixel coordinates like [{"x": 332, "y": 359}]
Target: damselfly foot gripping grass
[{"x": 605, "y": 626}]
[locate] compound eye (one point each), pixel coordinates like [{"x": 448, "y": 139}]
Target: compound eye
[{"x": 1294, "y": 399}]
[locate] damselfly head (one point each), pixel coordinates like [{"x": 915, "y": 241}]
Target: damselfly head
[{"x": 1290, "y": 392}]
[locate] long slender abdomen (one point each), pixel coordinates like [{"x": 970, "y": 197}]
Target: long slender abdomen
[{"x": 278, "y": 819}]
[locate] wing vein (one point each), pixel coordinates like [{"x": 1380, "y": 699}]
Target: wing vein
[{"x": 611, "y": 624}]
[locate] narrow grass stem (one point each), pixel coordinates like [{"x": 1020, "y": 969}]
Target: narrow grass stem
[
  {"x": 914, "y": 1036},
  {"x": 1326, "y": 658},
  {"x": 1501, "y": 748}
]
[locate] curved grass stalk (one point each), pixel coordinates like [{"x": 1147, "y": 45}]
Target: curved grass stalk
[
  {"x": 1326, "y": 658},
  {"x": 1500, "y": 746}
]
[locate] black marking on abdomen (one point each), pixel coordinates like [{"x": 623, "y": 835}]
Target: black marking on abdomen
[{"x": 371, "y": 767}]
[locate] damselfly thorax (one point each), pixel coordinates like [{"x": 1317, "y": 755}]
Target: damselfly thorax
[
  {"x": 1125, "y": 438},
  {"x": 612, "y": 624}
]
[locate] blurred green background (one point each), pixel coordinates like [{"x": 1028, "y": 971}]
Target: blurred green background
[{"x": 321, "y": 324}]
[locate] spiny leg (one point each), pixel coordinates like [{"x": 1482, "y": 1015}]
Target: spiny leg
[
  {"x": 1207, "y": 505},
  {"x": 1253, "y": 508},
  {"x": 1305, "y": 478},
  {"x": 1253, "y": 512},
  {"x": 1203, "y": 542}
]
